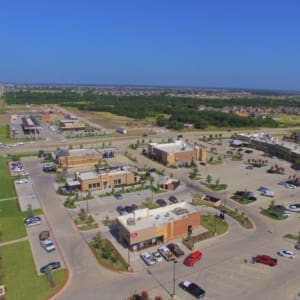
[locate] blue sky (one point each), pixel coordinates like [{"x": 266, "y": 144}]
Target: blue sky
[{"x": 212, "y": 43}]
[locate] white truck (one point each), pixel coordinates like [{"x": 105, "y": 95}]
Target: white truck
[{"x": 48, "y": 245}]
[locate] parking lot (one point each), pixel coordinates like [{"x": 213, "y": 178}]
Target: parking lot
[{"x": 40, "y": 256}]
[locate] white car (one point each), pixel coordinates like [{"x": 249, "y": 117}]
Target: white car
[
  {"x": 286, "y": 253},
  {"x": 289, "y": 186},
  {"x": 48, "y": 245},
  {"x": 21, "y": 181},
  {"x": 24, "y": 173},
  {"x": 294, "y": 207},
  {"x": 32, "y": 223},
  {"x": 166, "y": 253},
  {"x": 148, "y": 258},
  {"x": 157, "y": 256}
]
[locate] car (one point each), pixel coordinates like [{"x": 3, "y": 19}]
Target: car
[
  {"x": 52, "y": 266},
  {"x": 23, "y": 173},
  {"x": 157, "y": 256},
  {"x": 32, "y": 223},
  {"x": 202, "y": 163},
  {"x": 118, "y": 196},
  {"x": 266, "y": 260},
  {"x": 21, "y": 181},
  {"x": 193, "y": 258},
  {"x": 263, "y": 189},
  {"x": 282, "y": 182},
  {"x": 175, "y": 249},
  {"x": 267, "y": 193},
  {"x": 32, "y": 218},
  {"x": 297, "y": 245},
  {"x": 121, "y": 210},
  {"x": 128, "y": 209},
  {"x": 44, "y": 235},
  {"x": 161, "y": 202},
  {"x": 173, "y": 199},
  {"x": 134, "y": 207},
  {"x": 289, "y": 186},
  {"x": 249, "y": 167},
  {"x": 192, "y": 288},
  {"x": 286, "y": 253},
  {"x": 248, "y": 151},
  {"x": 166, "y": 253},
  {"x": 294, "y": 207},
  {"x": 148, "y": 258},
  {"x": 48, "y": 245}
]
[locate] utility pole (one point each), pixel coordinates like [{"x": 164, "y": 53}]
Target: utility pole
[{"x": 174, "y": 278}]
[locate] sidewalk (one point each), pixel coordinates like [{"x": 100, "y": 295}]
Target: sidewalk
[{"x": 14, "y": 241}]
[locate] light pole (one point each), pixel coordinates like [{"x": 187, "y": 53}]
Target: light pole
[{"x": 174, "y": 279}]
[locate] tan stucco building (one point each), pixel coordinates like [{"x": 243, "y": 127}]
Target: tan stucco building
[
  {"x": 176, "y": 153},
  {"x": 104, "y": 179},
  {"x": 148, "y": 227},
  {"x": 77, "y": 158}
]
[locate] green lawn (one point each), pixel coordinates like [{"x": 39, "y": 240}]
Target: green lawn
[
  {"x": 11, "y": 220},
  {"x": 209, "y": 222},
  {"x": 20, "y": 277},
  {"x": 7, "y": 140},
  {"x": 7, "y": 188}
]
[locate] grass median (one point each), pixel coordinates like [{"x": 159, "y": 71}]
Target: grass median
[
  {"x": 20, "y": 277},
  {"x": 214, "y": 224},
  {"x": 7, "y": 189}
]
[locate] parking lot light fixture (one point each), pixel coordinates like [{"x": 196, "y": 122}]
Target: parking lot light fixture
[{"x": 174, "y": 278}]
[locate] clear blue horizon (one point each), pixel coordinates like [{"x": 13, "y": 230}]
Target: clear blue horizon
[{"x": 254, "y": 45}]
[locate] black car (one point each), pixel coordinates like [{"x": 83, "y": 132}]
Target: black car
[
  {"x": 193, "y": 289},
  {"x": 175, "y": 249},
  {"x": 52, "y": 266},
  {"x": 173, "y": 199},
  {"x": 161, "y": 202},
  {"x": 128, "y": 209},
  {"x": 118, "y": 196},
  {"x": 248, "y": 151},
  {"x": 134, "y": 207}
]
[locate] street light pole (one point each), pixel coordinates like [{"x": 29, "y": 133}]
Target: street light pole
[{"x": 174, "y": 279}]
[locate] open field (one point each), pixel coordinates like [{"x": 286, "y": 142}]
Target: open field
[
  {"x": 288, "y": 120},
  {"x": 19, "y": 271}
]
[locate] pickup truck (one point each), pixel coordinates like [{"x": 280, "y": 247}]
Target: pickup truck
[
  {"x": 175, "y": 249},
  {"x": 166, "y": 253},
  {"x": 266, "y": 260}
]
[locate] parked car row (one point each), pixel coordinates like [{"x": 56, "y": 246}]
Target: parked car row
[
  {"x": 124, "y": 210},
  {"x": 162, "y": 202}
]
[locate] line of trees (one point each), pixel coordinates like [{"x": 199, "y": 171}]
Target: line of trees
[{"x": 169, "y": 111}]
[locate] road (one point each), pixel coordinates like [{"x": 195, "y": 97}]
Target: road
[{"x": 221, "y": 255}]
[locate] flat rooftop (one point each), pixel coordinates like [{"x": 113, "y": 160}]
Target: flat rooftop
[
  {"x": 95, "y": 175},
  {"x": 145, "y": 218},
  {"x": 178, "y": 146},
  {"x": 82, "y": 152}
]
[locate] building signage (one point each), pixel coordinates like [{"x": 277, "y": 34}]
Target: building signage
[{"x": 134, "y": 235}]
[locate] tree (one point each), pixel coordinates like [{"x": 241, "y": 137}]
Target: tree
[
  {"x": 208, "y": 179},
  {"x": 29, "y": 210},
  {"x": 217, "y": 182},
  {"x": 83, "y": 214}
]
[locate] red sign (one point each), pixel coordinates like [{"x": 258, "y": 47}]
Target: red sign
[{"x": 134, "y": 235}]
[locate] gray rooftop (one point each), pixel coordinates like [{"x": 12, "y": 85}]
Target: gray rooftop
[
  {"x": 177, "y": 146},
  {"x": 145, "y": 218},
  {"x": 81, "y": 152}
]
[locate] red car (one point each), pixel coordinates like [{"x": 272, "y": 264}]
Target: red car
[
  {"x": 266, "y": 259},
  {"x": 193, "y": 258}
]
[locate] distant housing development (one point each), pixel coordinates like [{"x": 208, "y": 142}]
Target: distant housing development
[
  {"x": 148, "y": 227},
  {"x": 177, "y": 153},
  {"x": 103, "y": 179},
  {"x": 77, "y": 158}
]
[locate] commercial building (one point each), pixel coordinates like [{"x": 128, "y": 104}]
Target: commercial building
[
  {"x": 148, "y": 227},
  {"x": 71, "y": 124},
  {"x": 177, "y": 153},
  {"x": 274, "y": 147},
  {"x": 103, "y": 179},
  {"x": 77, "y": 158},
  {"x": 30, "y": 125}
]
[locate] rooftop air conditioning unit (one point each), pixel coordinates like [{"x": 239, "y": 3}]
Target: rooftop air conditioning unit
[{"x": 130, "y": 221}]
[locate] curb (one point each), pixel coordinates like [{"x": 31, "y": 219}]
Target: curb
[{"x": 61, "y": 288}]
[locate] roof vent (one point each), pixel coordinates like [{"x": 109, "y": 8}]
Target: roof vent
[{"x": 130, "y": 221}]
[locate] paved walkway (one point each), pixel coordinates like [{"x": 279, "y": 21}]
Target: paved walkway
[
  {"x": 6, "y": 199},
  {"x": 25, "y": 238}
]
